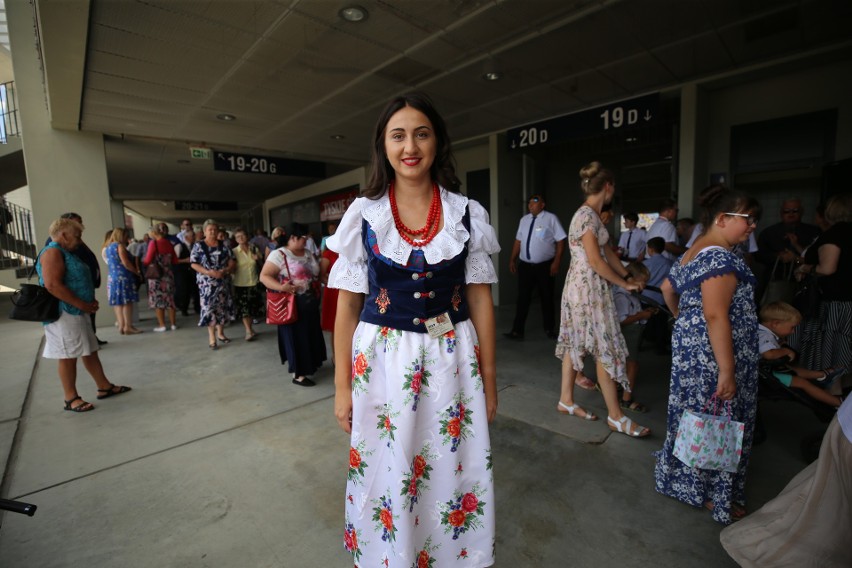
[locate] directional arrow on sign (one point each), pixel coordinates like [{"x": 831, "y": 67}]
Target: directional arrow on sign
[{"x": 647, "y": 116}]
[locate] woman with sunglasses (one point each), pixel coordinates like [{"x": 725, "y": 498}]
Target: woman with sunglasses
[
  {"x": 710, "y": 290},
  {"x": 295, "y": 270}
]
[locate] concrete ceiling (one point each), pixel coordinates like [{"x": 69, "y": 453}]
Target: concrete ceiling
[{"x": 303, "y": 83}]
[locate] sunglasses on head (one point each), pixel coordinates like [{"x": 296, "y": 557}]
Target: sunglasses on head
[{"x": 534, "y": 200}]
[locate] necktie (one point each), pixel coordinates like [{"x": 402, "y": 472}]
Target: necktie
[
  {"x": 529, "y": 238},
  {"x": 627, "y": 248}
]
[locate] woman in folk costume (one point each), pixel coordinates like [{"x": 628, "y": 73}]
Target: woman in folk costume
[{"x": 414, "y": 343}]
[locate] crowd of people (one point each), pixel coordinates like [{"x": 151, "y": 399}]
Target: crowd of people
[{"x": 407, "y": 297}]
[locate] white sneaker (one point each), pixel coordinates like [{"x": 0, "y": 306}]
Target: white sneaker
[
  {"x": 159, "y": 329},
  {"x": 174, "y": 327}
]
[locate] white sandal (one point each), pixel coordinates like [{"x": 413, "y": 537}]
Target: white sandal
[
  {"x": 625, "y": 426},
  {"x": 574, "y": 408}
]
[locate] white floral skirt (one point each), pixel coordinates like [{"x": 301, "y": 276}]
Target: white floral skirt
[{"x": 420, "y": 486}]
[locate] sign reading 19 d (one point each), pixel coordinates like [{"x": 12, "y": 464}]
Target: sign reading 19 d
[{"x": 621, "y": 115}]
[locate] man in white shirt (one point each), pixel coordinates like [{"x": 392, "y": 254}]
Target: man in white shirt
[
  {"x": 185, "y": 226},
  {"x": 631, "y": 245},
  {"x": 536, "y": 254},
  {"x": 664, "y": 227}
]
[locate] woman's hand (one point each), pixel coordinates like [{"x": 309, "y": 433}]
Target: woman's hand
[
  {"x": 491, "y": 407},
  {"x": 90, "y": 307},
  {"x": 726, "y": 386},
  {"x": 343, "y": 409}
]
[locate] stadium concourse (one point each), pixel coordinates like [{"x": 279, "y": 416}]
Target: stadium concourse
[{"x": 215, "y": 459}]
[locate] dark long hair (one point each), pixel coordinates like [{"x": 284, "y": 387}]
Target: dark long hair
[{"x": 381, "y": 173}]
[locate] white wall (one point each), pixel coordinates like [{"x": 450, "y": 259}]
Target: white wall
[{"x": 20, "y": 197}]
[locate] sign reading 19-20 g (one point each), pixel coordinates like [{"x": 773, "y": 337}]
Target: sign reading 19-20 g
[
  {"x": 609, "y": 118},
  {"x": 249, "y": 164}
]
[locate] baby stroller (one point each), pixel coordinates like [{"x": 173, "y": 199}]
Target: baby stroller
[{"x": 772, "y": 390}]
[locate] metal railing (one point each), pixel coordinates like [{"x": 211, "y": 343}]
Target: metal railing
[
  {"x": 9, "y": 125},
  {"x": 17, "y": 238}
]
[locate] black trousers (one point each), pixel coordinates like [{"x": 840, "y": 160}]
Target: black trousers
[
  {"x": 535, "y": 277},
  {"x": 186, "y": 288}
]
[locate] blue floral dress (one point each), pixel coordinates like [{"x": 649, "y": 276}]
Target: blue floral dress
[
  {"x": 121, "y": 284},
  {"x": 694, "y": 380},
  {"x": 217, "y": 303}
]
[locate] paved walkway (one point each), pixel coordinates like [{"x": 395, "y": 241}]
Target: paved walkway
[{"x": 216, "y": 460}]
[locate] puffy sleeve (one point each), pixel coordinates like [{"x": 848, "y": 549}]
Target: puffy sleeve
[
  {"x": 483, "y": 243},
  {"x": 350, "y": 270}
]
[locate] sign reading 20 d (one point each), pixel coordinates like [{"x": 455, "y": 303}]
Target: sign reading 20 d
[
  {"x": 246, "y": 163},
  {"x": 600, "y": 120}
]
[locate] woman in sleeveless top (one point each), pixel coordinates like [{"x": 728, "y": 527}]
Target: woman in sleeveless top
[{"x": 68, "y": 279}]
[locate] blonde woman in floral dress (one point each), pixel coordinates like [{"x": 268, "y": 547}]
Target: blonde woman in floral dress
[
  {"x": 414, "y": 345},
  {"x": 589, "y": 321}
]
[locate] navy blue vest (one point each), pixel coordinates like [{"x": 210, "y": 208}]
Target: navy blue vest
[{"x": 404, "y": 297}]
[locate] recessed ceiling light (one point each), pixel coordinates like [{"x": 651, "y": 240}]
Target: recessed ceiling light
[
  {"x": 226, "y": 117},
  {"x": 492, "y": 76},
  {"x": 631, "y": 139},
  {"x": 338, "y": 137},
  {"x": 353, "y": 14}
]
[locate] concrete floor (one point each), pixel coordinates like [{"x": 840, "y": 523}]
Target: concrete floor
[{"x": 217, "y": 460}]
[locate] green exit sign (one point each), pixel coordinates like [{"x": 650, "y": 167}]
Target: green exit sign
[{"x": 200, "y": 153}]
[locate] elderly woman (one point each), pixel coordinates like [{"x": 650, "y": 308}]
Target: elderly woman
[
  {"x": 121, "y": 285},
  {"x": 277, "y": 240},
  {"x": 293, "y": 269},
  {"x": 827, "y": 338},
  {"x": 161, "y": 280},
  {"x": 213, "y": 262},
  {"x": 71, "y": 336},
  {"x": 246, "y": 293}
]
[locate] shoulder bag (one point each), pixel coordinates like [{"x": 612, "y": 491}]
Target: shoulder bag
[
  {"x": 281, "y": 306},
  {"x": 34, "y": 303}
]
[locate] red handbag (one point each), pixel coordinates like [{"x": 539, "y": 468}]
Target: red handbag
[{"x": 281, "y": 306}]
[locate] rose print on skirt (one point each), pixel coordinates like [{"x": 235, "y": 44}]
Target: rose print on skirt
[
  {"x": 350, "y": 540},
  {"x": 384, "y": 518},
  {"x": 462, "y": 513},
  {"x": 414, "y": 483},
  {"x": 457, "y": 421},
  {"x": 357, "y": 465},
  {"x": 390, "y": 338},
  {"x": 417, "y": 378},
  {"x": 423, "y": 557}
]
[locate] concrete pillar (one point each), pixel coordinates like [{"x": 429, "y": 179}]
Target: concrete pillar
[
  {"x": 692, "y": 150},
  {"x": 66, "y": 169}
]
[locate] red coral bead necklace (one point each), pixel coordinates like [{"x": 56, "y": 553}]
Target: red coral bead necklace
[{"x": 433, "y": 219}]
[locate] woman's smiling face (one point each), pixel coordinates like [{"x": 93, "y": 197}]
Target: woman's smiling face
[{"x": 410, "y": 144}]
